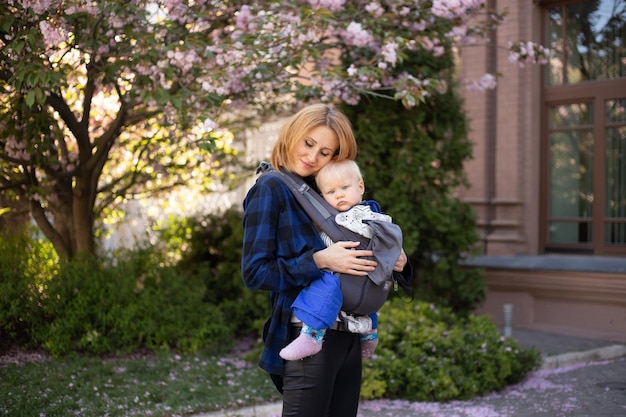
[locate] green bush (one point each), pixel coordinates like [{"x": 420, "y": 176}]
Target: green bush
[
  {"x": 209, "y": 248},
  {"x": 26, "y": 266},
  {"x": 100, "y": 309},
  {"x": 427, "y": 353},
  {"x": 186, "y": 293}
]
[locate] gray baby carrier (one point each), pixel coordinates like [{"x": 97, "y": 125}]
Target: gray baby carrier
[{"x": 361, "y": 294}]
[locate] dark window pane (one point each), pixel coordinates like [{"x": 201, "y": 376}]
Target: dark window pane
[
  {"x": 587, "y": 41},
  {"x": 554, "y": 69},
  {"x": 615, "y": 172},
  {"x": 615, "y": 179},
  {"x": 569, "y": 115},
  {"x": 615, "y": 234},
  {"x": 616, "y": 111},
  {"x": 571, "y": 161},
  {"x": 566, "y": 232}
]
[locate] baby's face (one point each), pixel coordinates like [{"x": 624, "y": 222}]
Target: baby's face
[{"x": 342, "y": 193}]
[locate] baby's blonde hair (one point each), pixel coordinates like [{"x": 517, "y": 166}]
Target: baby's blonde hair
[{"x": 338, "y": 169}]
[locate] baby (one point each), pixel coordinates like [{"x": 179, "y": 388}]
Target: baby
[{"x": 317, "y": 306}]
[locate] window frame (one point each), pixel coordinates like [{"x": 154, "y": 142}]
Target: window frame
[{"x": 596, "y": 92}]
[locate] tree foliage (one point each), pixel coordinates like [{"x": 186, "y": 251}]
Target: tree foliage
[
  {"x": 102, "y": 101},
  {"x": 413, "y": 160}
]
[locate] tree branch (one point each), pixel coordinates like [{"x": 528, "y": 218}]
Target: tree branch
[{"x": 57, "y": 103}]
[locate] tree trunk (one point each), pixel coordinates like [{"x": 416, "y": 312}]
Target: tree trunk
[
  {"x": 69, "y": 223},
  {"x": 82, "y": 219}
]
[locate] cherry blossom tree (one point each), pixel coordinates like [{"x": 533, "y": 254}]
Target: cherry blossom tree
[{"x": 102, "y": 101}]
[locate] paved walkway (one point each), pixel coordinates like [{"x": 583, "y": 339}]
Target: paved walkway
[{"x": 579, "y": 378}]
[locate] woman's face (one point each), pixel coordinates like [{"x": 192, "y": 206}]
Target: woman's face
[{"x": 314, "y": 151}]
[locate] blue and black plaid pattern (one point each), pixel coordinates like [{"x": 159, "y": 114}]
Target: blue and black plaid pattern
[{"x": 278, "y": 245}]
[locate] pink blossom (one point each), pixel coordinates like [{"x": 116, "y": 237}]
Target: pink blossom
[
  {"x": 486, "y": 82},
  {"x": 209, "y": 125},
  {"x": 52, "y": 36},
  {"x": 90, "y": 9},
  {"x": 333, "y": 5},
  {"x": 38, "y": 6},
  {"x": 451, "y": 9},
  {"x": 389, "y": 52},
  {"x": 524, "y": 53},
  {"x": 375, "y": 9},
  {"x": 357, "y": 36},
  {"x": 243, "y": 19}
]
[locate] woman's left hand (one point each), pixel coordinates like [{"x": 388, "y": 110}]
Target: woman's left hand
[{"x": 401, "y": 262}]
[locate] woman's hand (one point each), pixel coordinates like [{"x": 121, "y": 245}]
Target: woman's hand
[
  {"x": 401, "y": 262},
  {"x": 341, "y": 257}
]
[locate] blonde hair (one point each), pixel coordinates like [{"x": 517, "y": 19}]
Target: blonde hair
[
  {"x": 338, "y": 169},
  {"x": 309, "y": 118}
]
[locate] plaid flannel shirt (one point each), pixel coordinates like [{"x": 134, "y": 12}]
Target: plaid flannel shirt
[{"x": 278, "y": 245}]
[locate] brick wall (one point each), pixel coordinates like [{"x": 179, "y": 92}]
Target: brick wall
[{"x": 505, "y": 128}]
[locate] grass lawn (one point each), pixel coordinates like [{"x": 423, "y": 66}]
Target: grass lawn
[{"x": 139, "y": 385}]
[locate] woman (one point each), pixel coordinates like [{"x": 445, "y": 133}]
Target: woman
[{"x": 283, "y": 252}]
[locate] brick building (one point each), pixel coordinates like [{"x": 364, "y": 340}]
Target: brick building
[{"x": 548, "y": 177}]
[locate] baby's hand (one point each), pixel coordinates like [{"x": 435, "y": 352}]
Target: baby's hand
[{"x": 401, "y": 262}]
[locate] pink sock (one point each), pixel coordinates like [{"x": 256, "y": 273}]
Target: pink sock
[
  {"x": 369, "y": 341},
  {"x": 306, "y": 344}
]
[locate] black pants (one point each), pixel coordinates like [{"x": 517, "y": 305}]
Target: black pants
[{"x": 327, "y": 384}]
